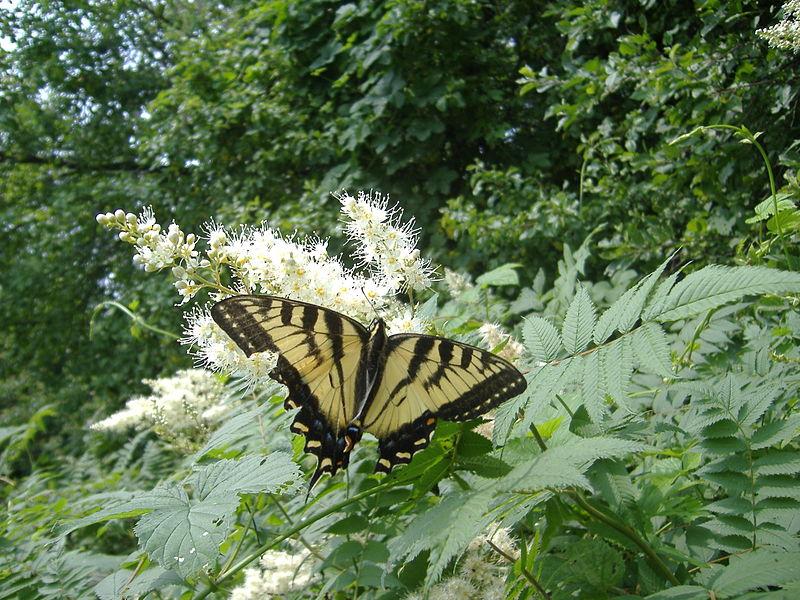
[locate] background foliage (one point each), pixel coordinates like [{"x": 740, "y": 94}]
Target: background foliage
[{"x": 528, "y": 132}]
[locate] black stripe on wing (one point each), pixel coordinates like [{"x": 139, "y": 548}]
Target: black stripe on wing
[
  {"x": 331, "y": 448},
  {"x": 429, "y": 378}
]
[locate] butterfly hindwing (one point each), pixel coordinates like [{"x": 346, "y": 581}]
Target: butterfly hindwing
[
  {"x": 319, "y": 357},
  {"x": 425, "y": 378}
]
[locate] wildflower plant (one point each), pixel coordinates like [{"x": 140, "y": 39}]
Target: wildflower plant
[
  {"x": 569, "y": 464},
  {"x": 180, "y": 409},
  {"x": 262, "y": 260}
]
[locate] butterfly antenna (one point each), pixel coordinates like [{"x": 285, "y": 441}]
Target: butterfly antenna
[{"x": 372, "y": 304}]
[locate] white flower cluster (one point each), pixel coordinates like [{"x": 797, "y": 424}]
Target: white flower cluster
[
  {"x": 261, "y": 260},
  {"x": 457, "y": 283},
  {"x": 481, "y": 571},
  {"x": 385, "y": 245},
  {"x": 184, "y": 404},
  {"x": 785, "y": 34},
  {"x": 157, "y": 249},
  {"x": 278, "y": 573},
  {"x": 492, "y": 335}
]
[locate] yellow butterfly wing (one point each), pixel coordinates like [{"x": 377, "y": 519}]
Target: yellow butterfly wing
[
  {"x": 319, "y": 356},
  {"x": 425, "y": 378}
]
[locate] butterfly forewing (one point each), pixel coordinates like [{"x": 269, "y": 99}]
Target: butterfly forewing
[
  {"x": 319, "y": 357},
  {"x": 427, "y": 377}
]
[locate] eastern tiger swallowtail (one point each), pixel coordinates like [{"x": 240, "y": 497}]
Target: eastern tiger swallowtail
[{"x": 346, "y": 379}]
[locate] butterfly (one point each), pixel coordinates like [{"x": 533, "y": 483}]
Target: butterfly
[{"x": 347, "y": 379}]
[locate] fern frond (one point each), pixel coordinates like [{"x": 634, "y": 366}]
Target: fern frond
[{"x": 713, "y": 286}]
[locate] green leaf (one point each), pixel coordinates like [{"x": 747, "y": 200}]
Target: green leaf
[
  {"x": 252, "y": 474},
  {"x": 775, "y": 433},
  {"x": 713, "y": 286},
  {"x": 760, "y": 568},
  {"x": 472, "y": 444},
  {"x": 681, "y": 592},
  {"x": 542, "y": 339},
  {"x": 502, "y": 275},
  {"x": 594, "y": 386},
  {"x": 778, "y": 463},
  {"x": 348, "y": 525},
  {"x": 484, "y": 466},
  {"x": 445, "y": 530},
  {"x": 618, "y": 368},
  {"x": 623, "y": 313},
  {"x": 181, "y": 535},
  {"x": 579, "y": 322},
  {"x": 649, "y": 346},
  {"x": 123, "y": 583}
]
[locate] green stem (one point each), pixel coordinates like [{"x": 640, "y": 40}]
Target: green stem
[
  {"x": 653, "y": 558},
  {"x": 289, "y": 533},
  {"x": 134, "y": 317}
]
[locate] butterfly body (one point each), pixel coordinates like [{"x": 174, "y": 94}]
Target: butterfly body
[{"x": 346, "y": 379}]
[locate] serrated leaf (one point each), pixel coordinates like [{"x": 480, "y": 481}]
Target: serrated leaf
[
  {"x": 445, "y": 530},
  {"x": 123, "y": 583},
  {"x": 656, "y": 302},
  {"x": 564, "y": 465},
  {"x": 579, "y": 322},
  {"x": 235, "y": 429},
  {"x": 713, "y": 286},
  {"x": 484, "y": 466},
  {"x": 732, "y": 482},
  {"x": 502, "y": 275},
  {"x": 649, "y": 346},
  {"x": 723, "y": 445},
  {"x": 722, "y": 428},
  {"x": 181, "y": 535},
  {"x": 778, "y": 463},
  {"x": 623, "y": 313},
  {"x": 594, "y": 386},
  {"x": 550, "y": 380},
  {"x": 775, "y": 433},
  {"x": 127, "y": 505},
  {"x": 542, "y": 339},
  {"x": 348, "y": 525},
  {"x": 760, "y": 568},
  {"x": 252, "y": 474},
  {"x": 758, "y": 401},
  {"x": 618, "y": 367},
  {"x": 681, "y": 592},
  {"x": 473, "y": 444}
]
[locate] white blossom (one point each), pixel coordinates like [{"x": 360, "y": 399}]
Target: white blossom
[
  {"x": 185, "y": 402},
  {"x": 278, "y": 573},
  {"x": 785, "y": 34},
  {"x": 383, "y": 243},
  {"x": 492, "y": 335},
  {"x": 261, "y": 260},
  {"x": 457, "y": 283},
  {"x": 481, "y": 571}
]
